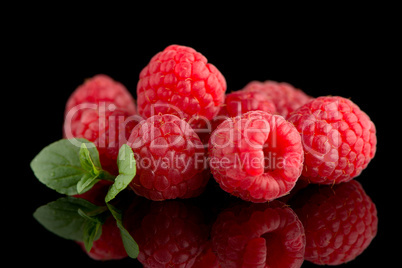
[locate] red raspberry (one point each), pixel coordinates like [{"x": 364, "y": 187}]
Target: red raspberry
[
  {"x": 101, "y": 89},
  {"x": 339, "y": 139},
  {"x": 109, "y": 246},
  {"x": 259, "y": 235},
  {"x": 257, "y": 156},
  {"x": 107, "y": 129},
  {"x": 240, "y": 102},
  {"x": 204, "y": 132},
  {"x": 179, "y": 81},
  {"x": 340, "y": 222},
  {"x": 170, "y": 159},
  {"x": 236, "y": 103},
  {"x": 285, "y": 97},
  {"x": 171, "y": 234}
]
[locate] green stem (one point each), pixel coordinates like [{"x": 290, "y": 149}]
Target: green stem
[{"x": 104, "y": 175}]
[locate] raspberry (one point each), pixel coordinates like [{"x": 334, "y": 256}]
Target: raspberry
[
  {"x": 179, "y": 81},
  {"x": 107, "y": 129},
  {"x": 285, "y": 97},
  {"x": 205, "y": 131},
  {"x": 100, "y": 111},
  {"x": 240, "y": 102},
  {"x": 340, "y": 222},
  {"x": 169, "y": 157},
  {"x": 237, "y": 103},
  {"x": 109, "y": 245},
  {"x": 257, "y": 156},
  {"x": 171, "y": 234},
  {"x": 339, "y": 139},
  {"x": 101, "y": 89},
  {"x": 259, "y": 235}
]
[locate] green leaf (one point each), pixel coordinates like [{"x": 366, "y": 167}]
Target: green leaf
[
  {"x": 127, "y": 171},
  {"x": 62, "y": 217},
  {"x": 87, "y": 162},
  {"x": 90, "y": 178},
  {"x": 86, "y": 183},
  {"x": 63, "y": 164},
  {"x": 129, "y": 243}
]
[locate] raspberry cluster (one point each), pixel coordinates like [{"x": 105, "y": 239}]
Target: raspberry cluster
[
  {"x": 256, "y": 143},
  {"x": 261, "y": 139}
]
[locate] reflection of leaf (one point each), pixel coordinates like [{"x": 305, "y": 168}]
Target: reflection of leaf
[
  {"x": 92, "y": 231},
  {"x": 63, "y": 217},
  {"x": 130, "y": 245}
]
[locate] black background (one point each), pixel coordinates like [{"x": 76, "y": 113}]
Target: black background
[{"x": 351, "y": 54}]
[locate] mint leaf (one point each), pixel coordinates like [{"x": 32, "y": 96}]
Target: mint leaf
[
  {"x": 87, "y": 181},
  {"x": 62, "y": 217},
  {"x": 130, "y": 245},
  {"x": 88, "y": 162},
  {"x": 127, "y": 170},
  {"x": 90, "y": 178},
  {"x": 62, "y": 164}
]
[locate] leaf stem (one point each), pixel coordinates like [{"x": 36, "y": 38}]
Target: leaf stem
[{"x": 104, "y": 175}]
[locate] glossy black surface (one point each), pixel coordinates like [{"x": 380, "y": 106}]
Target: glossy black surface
[{"x": 335, "y": 61}]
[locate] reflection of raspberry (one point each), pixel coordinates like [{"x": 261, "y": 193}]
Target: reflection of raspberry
[
  {"x": 241, "y": 102},
  {"x": 339, "y": 139},
  {"x": 207, "y": 258},
  {"x": 340, "y": 222},
  {"x": 285, "y": 97},
  {"x": 259, "y": 235},
  {"x": 107, "y": 129},
  {"x": 102, "y": 89},
  {"x": 171, "y": 234},
  {"x": 109, "y": 246},
  {"x": 169, "y": 157},
  {"x": 179, "y": 81},
  {"x": 257, "y": 156}
]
